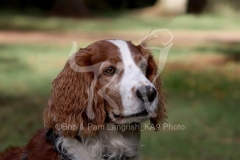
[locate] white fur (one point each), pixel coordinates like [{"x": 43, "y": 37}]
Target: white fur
[
  {"x": 117, "y": 144},
  {"x": 132, "y": 79},
  {"x": 72, "y": 147}
]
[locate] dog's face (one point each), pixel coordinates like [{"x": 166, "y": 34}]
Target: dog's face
[
  {"x": 109, "y": 81},
  {"x": 128, "y": 94}
]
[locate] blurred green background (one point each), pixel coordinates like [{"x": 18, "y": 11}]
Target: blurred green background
[{"x": 201, "y": 76}]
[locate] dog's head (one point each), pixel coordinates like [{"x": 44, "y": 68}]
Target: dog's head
[{"x": 110, "y": 81}]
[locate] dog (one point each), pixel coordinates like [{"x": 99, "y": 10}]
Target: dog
[{"x": 104, "y": 87}]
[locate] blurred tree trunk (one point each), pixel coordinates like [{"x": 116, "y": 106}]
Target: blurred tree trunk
[
  {"x": 172, "y": 7},
  {"x": 196, "y": 6},
  {"x": 175, "y": 7},
  {"x": 70, "y": 8}
]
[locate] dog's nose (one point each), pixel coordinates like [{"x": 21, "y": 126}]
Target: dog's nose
[{"x": 146, "y": 93}]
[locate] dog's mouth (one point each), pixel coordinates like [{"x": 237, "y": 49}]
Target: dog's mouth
[{"x": 139, "y": 114}]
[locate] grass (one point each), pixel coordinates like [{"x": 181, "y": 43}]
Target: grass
[
  {"x": 206, "y": 104},
  {"x": 202, "y": 85},
  {"x": 120, "y": 22},
  {"x": 26, "y": 74},
  {"x": 204, "y": 101},
  {"x": 230, "y": 49}
]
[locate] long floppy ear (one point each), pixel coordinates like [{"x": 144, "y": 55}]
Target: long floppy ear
[
  {"x": 67, "y": 108},
  {"x": 152, "y": 75}
]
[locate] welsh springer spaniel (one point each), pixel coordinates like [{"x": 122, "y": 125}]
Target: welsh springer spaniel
[{"x": 97, "y": 103}]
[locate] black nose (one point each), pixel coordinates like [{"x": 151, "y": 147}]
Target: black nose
[{"x": 146, "y": 93}]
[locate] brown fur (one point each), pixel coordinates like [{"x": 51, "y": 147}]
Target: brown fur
[
  {"x": 37, "y": 148},
  {"x": 69, "y": 100},
  {"x": 15, "y": 153},
  {"x": 151, "y": 72}
]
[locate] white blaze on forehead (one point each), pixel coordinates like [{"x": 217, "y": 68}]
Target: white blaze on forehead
[
  {"x": 125, "y": 53},
  {"x": 132, "y": 78},
  {"x": 129, "y": 65}
]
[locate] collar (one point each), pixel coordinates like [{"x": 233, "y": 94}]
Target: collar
[
  {"x": 118, "y": 158},
  {"x": 53, "y": 137}
]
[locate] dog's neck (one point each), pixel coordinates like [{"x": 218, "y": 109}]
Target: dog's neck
[{"x": 113, "y": 142}]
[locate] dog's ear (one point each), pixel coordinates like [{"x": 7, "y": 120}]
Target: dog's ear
[
  {"x": 75, "y": 107},
  {"x": 152, "y": 75},
  {"x": 161, "y": 112},
  {"x": 152, "y": 72}
]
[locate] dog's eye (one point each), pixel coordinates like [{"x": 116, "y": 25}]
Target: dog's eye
[
  {"x": 143, "y": 67},
  {"x": 110, "y": 71}
]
